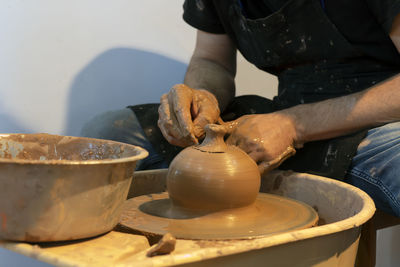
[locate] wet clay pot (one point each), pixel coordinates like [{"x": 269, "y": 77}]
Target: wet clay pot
[{"x": 213, "y": 175}]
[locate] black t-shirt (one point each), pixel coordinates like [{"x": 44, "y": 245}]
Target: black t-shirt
[{"x": 364, "y": 23}]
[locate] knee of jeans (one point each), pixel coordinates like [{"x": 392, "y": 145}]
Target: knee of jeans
[
  {"x": 383, "y": 190},
  {"x": 380, "y": 138}
]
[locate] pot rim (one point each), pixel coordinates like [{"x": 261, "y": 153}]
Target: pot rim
[{"x": 142, "y": 153}]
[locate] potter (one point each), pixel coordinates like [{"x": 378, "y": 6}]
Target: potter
[
  {"x": 337, "y": 63},
  {"x": 336, "y": 88}
]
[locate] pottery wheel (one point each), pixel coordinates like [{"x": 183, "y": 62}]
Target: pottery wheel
[{"x": 269, "y": 214}]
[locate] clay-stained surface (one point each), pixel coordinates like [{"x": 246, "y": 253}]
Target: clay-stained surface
[
  {"x": 104, "y": 250},
  {"x": 270, "y": 214}
]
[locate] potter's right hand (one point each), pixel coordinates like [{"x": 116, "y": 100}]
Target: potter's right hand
[
  {"x": 184, "y": 112},
  {"x": 269, "y": 139}
]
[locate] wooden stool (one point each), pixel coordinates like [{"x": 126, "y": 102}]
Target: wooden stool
[{"x": 366, "y": 255}]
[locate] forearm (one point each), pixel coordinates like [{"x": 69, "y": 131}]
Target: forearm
[
  {"x": 213, "y": 77},
  {"x": 339, "y": 116}
]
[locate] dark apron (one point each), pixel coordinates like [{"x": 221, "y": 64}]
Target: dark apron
[{"x": 313, "y": 62}]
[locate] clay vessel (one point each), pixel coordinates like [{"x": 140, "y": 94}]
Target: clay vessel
[
  {"x": 213, "y": 175},
  {"x": 57, "y": 188}
]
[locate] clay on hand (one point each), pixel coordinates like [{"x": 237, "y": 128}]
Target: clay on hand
[
  {"x": 184, "y": 112},
  {"x": 267, "y": 138}
]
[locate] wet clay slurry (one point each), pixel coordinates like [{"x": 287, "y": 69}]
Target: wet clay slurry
[{"x": 213, "y": 193}]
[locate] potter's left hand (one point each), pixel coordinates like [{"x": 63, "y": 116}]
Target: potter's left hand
[{"x": 267, "y": 138}]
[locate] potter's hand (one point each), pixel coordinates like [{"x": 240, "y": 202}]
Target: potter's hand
[
  {"x": 267, "y": 138},
  {"x": 184, "y": 112}
]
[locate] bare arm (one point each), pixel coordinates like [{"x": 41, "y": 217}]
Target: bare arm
[
  {"x": 269, "y": 138},
  {"x": 209, "y": 87},
  {"x": 339, "y": 116},
  {"x": 331, "y": 118},
  {"x": 213, "y": 66}
]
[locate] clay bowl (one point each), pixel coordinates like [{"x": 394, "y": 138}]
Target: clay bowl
[{"x": 55, "y": 188}]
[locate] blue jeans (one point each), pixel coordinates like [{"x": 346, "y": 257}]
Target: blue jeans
[{"x": 375, "y": 168}]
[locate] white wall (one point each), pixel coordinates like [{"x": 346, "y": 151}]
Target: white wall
[
  {"x": 61, "y": 62},
  {"x": 64, "y": 61}
]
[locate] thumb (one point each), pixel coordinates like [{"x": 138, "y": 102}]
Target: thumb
[
  {"x": 232, "y": 125},
  {"x": 267, "y": 166},
  {"x": 200, "y": 122}
]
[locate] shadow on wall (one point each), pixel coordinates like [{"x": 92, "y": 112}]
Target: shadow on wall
[
  {"x": 117, "y": 78},
  {"x": 10, "y": 125}
]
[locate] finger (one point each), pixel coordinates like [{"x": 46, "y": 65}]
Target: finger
[
  {"x": 165, "y": 121},
  {"x": 200, "y": 122},
  {"x": 180, "y": 99},
  {"x": 163, "y": 109},
  {"x": 267, "y": 166},
  {"x": 220, "y": 121},
  {"x": 166, "y": 135},
  {"x": 177, "y": 141},
  {"x": 248, "y": 146},
  {"x": 232, "y": 125},
  {"x": 174, "y": 127},
  {"x": 208, "y": 111},
  {"x": 194, "y": 108},
  {"x": 256, "y": 156},
  {"x": 168, "y": 127}
]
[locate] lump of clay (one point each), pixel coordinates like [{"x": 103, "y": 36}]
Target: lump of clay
[{"x": 213, "y": 175}]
